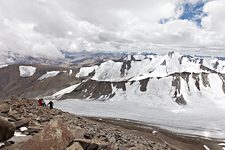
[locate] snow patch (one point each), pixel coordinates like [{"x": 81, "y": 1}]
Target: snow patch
[
  {"x": 2, "y": 144},
  {"x": 85, "y": 71},
  {"x": 27, "y": 71},
  {"x": 64, "y": 91},
  {"x": 70, "y": 72},
  {"x": 18, "y": 134},
  {"x": 221, "y": 144},
  {"x": 139, "y": 57},
  {"x": 154, "y": 132},
  {"x": 49, "y": 74},
  {"x": 108, "y": 71},
  {"x": 23, "y": 129},
  {"x": 206, "y": 147},
  {"x": 2, "y": 66}
]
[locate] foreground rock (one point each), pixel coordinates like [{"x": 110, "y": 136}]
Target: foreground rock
[
  {"x": 21, "y": 123},
  {"x": 7, "y": 130},
  {"x": 4, "y": 108},
  {"x": 41, "y": 128},
  {"x": 56, "y": 135}
]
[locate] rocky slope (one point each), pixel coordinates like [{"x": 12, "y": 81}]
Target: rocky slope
[
  {"x": 17, "y": 80},
  {"x": 42, "y": 128}
]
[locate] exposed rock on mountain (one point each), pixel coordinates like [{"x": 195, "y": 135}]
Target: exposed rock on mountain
[
  {"x": 13, "y": 84},
  {"x": 4, "y": 108}
]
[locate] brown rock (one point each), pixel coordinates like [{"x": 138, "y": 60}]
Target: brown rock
[
  {"x": 31, "y": 131},
  {"x": 55, "y": 136},
  {"x": 75, "y": 146},
  {"x": 84, "y": 142},
  {"x": 4, "y": 108},
  {"x": 91, "y": 145},
  {"x": 12, "y": 118},
  {"x": 21, "y": 123},
  {"x": 7, "y": 130}
]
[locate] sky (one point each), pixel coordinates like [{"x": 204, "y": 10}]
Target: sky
[{"x": 44, "y": 27}]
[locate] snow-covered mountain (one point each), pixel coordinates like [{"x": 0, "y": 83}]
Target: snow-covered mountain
[
  {"x": 171, "y": 80},
  {"x": 167, "y": 80}
]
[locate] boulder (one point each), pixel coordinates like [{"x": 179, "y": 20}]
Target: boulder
[
  {"x": 56, "y": 135},
  {"x": 92, "y": 145},
  {"x": 7, "y": 130},
  {"x": 13, "y": 117},
  {"x": 21, "y": 123},
  {"x": 31, "y": 131},
  {"x": 75, "y": 146},
  {"x": 4, "y": 108}
]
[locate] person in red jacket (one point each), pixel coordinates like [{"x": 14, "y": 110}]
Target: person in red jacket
[{"x": 40, "y": 102}]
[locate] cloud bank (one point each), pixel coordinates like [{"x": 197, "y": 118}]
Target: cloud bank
[{"x": 44, "y": 27}]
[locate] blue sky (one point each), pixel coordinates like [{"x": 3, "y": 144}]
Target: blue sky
[
  {"x": 193, "y": 12},
  {"x": 190, "y": 11}
]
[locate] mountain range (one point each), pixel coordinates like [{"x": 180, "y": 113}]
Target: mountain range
[{"x": 168, "y": 80}]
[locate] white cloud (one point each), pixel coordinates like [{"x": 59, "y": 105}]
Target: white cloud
[{"x": 42, "y": 28}]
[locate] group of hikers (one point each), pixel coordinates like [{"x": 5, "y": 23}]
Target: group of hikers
[{"x": 42, "y": 103}]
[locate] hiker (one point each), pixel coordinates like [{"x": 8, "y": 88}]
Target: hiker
[
  {"x": 40, "y": 102},
  {"x": 51, "y": 104},
  {"x": 43, "y": 103}
]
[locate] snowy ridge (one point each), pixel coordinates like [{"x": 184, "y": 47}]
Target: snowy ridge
[
  {"x": 166, "y": 81},
  {"x": 137, "y": 67},
  {"x": 27, "y": 71},
  {"x": 49, "y": 74},
  {"x": 185, "y": 89},
  {"x": 60, "y": 93},
  {"x": 2, "y": 66},
  {"x": 85, "y": 71}
]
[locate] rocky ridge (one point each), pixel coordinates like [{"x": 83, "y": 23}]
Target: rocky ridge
[{"x": 43, "y": 128}]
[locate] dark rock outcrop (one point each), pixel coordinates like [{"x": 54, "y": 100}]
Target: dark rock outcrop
[
  {"x": 92, "y": 89},
  {"x": 120, "y": 85},
  {"x": 144, "y": 84},
  {"x": 180, "y": 100},
  {"x": 7, "y": 130}
]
